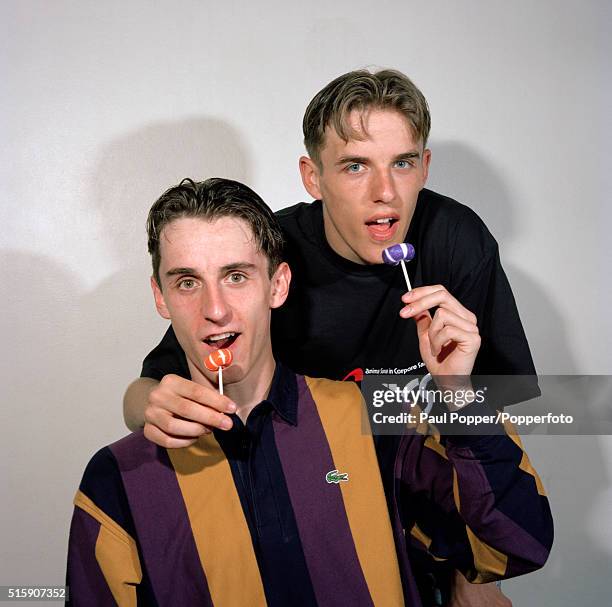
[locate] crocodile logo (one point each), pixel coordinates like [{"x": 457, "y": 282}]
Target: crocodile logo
[{"x": 333, "y": 476}]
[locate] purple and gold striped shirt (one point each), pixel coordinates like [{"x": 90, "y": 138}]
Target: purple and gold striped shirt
[{"x": 299, "y": 516}]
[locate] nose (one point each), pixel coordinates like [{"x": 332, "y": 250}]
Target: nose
[
  {"x": 214, "y": 305},
  {"x": 383, "y": 186}
]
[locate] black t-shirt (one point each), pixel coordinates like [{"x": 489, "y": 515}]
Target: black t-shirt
[{"x": 341, "y": 316}]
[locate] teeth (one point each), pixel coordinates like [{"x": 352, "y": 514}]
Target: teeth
[
  {"x": 385, "y": 220},
  {"x": 220, "y": 337}
]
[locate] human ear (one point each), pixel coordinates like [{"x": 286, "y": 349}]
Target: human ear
[
  {"x": 160, "y": 302},
  {"x": 279, "y": 285},
  {"x": 310, "y": 172},
  {"x": 426, "y": 161}
]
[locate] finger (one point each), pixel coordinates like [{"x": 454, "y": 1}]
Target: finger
[
  {"x": 436, "y": 293},
  {"x": 155, "y": 435},
  {"x": 187, "y": 411},
  {"x": 172, "y": 386},
  {"x": 210, "y": 397},
  {"x": 422, "y": 291},
  {"x": 183, "y": 428},
  {"x": 440, "y": 298},
  {"x": 444, "y": 317},
  {"x": 423, "y": 323},
  {"x": 432, "y": 299},
  {"x": 469, "y": 342}
]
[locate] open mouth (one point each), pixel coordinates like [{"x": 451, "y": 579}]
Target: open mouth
[
  {"x": 221, "y": 340},
  {"x": 382, "y": 229},
  {"x": 384, "y": 222}
]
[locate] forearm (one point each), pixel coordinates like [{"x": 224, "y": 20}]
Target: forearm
[
  {"x": 103, "y": 563},
  {"x": 135, "y": 401},
  {"x": 500, "y": 497},
  {"x": 480, "y": 507}
]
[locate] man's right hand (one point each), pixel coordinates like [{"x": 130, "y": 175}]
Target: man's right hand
[{"x": 178, "y": 411}]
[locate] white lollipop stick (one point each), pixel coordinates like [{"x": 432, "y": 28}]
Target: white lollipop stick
[
  {"x": 216, "y": 360},
  {"x": 399, "y": 253},
  {"x": 406, "y": 275}
]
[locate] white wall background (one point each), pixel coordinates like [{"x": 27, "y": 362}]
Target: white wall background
[{"x": 105, "y": 104}]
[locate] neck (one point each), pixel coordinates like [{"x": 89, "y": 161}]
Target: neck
[
  {"x": 335, "y": 241},
  {"x": 254, "y": 388}
]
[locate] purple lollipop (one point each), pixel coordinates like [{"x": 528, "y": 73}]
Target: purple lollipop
[
  {"x": 403, "y": 251},
  {"x": 399, "y": 254}
]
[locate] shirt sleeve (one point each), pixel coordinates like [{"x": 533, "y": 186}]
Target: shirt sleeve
[
  {"x": 167, "y": 357},
  {"x": 475, "y": 503},
  {"x": 103, "y": 563}
]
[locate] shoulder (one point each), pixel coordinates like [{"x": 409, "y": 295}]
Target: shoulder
[
  {"x": 293, "y": 213},
  {"x": 438, "y": 212},
  {"x": 301, "y": 221},
  {"x": 102, "y": 474},
  {"x": 302, "y": 226},
  {"x": 102, "y": 465},
  {"x": 450, "y": 234},
  {"x": 102, "y": 484}
]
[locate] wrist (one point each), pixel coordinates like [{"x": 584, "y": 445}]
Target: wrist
[{"x": 457, "y": 390}]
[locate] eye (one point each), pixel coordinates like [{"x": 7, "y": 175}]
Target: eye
[
  {"x": 354, "y": 167},
  {"x": 187, "y": 284},
  {"x": 236, "y": 278},
  {"x": 403, "y": 164}
]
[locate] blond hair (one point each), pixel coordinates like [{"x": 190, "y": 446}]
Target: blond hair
[{"x": 363, "y": 90}]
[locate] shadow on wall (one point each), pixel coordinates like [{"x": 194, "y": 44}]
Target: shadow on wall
[
  {"x": 134, "y": 170},
  {"x": 72, "y": 357},
  {"x": 131, "y": 174},
  {"x": 573, "y": 469},
  {"x": 458, "y": 171}
]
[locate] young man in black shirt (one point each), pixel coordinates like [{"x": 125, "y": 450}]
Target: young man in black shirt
[{"x": 347, "y": 313}]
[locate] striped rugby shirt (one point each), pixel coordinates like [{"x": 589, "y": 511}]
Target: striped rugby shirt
[{"x": 297, "y": 514}]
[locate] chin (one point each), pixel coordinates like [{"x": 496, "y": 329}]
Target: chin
[
  {"x": 232, "y": 374},
  {"x": 373, "y": 256}
]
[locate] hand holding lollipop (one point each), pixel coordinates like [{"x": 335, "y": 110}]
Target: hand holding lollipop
[
  {"x": 448, "y": 342},
  {"x": 217, "y": 361},
  {"x": 399, "y": 253}
]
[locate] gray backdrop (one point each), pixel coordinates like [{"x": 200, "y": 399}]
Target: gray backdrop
[{"x": 107, "y": 104}]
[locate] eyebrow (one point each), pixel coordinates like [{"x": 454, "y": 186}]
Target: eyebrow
[
  {"x": 180, "y": 271},
  {"x": 230, "y": 267},
  {"x": 364, "y": 160},
  {"x": 405, "y": 155},
  {"x": 239, "y": 265}
]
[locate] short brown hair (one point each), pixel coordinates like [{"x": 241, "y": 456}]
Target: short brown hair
[
  {"x": 363, "y": 90},
  {"x": 210, "y": 200}
]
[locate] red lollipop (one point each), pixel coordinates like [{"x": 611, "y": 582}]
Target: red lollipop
[{"x": 217, "y": 361}]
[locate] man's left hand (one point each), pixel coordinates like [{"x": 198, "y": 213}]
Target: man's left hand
[
  {"x": 464, "y": 594},
  {"x": 449, "y": 341}
]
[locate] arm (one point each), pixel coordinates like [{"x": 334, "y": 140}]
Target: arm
[
  {"x": 476, "y": 503},
  {"x": 103, "y": 563},
  {"x": 135, "y": 402}
]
